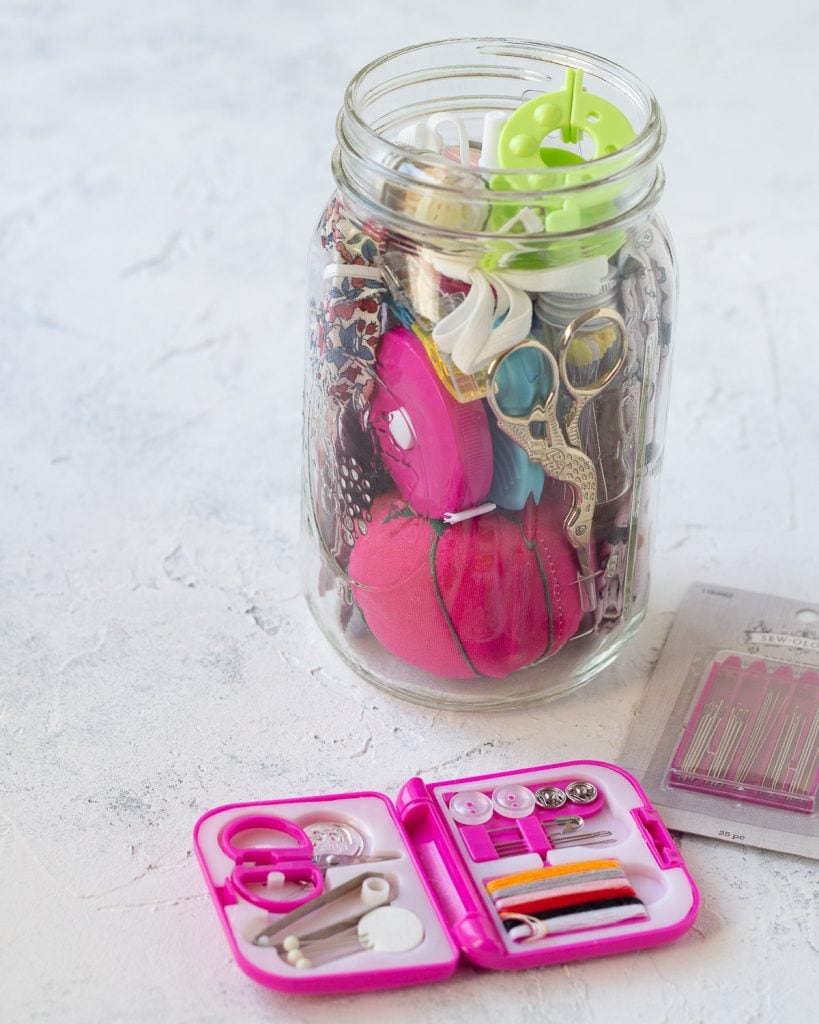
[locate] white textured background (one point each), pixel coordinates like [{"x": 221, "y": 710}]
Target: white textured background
[{"x": 161, "y": 167}]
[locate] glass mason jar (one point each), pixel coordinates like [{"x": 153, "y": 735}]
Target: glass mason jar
[{"x": 492, "y": 295}]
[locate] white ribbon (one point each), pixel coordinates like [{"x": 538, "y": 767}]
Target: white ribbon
[{"x": 497, "y": 312}]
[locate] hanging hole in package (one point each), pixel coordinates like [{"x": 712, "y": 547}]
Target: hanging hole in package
[
  {"x": 519, "y": 869},
  {"x": 734, "y": 701},
  {"x": 491, "y": 306}
]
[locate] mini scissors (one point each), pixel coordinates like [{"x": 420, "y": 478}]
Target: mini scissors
[
  {"x": 301, "y": 863},
  {"x": 558, "y": 448},
  {"x": 253, "y": 864}
]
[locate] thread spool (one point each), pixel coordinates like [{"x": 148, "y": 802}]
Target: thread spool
[{"x": 426, "y": 205}]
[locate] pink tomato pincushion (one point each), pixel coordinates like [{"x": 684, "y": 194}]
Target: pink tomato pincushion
[{"x": 485, "y": 597}]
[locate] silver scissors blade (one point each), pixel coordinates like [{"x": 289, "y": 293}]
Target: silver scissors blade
[{"x": 332, "y": 860}]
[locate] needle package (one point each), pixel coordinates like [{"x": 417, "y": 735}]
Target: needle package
[{"x": 727, "y": 739}]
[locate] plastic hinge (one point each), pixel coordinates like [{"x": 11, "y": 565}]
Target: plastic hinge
[
  {"x": 412, "y": 799},
  {"x": 477, "y": 935},
  {"x": 452, "y": 884},
  {"x": 657, "y": 838}
]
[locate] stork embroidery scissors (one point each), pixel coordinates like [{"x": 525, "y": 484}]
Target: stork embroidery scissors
[
  {"x": 558, "y": 449},
  {"x": 303, "y": 863}
]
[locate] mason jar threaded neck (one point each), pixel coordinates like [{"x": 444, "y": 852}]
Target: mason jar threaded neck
[{"x": 421, "y": 191}]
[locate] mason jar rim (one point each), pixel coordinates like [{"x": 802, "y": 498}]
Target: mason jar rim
[{"x": 360, "y": 142}]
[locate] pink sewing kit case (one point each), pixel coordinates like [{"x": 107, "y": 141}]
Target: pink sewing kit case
[{"x": 350, "y": 892}]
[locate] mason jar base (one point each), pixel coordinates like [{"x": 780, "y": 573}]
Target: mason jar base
[{"x": 579, "y": 661}]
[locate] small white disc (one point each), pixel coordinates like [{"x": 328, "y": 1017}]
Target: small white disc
[{"x": 390, "y": 930}]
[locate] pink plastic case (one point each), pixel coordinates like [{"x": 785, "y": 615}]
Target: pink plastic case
[{"x": 517, "y": 869}]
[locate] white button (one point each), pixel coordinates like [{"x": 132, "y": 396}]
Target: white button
[
  {"x": 471, "y": 807},
  {"x": 513, "y": 801}
]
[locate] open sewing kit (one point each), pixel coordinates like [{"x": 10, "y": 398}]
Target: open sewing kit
[
  {"x": 727, "y": 739},
  {"x": 519, "y": 869}
]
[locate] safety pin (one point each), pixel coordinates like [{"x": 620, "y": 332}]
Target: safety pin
[{"x": 360, "y": 882}]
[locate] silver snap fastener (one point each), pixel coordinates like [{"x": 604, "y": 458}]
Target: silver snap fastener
[
  {"x": 581, "y": 792},
  {"x": 550, "y": 797}
]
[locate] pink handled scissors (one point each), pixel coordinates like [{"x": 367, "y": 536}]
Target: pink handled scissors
[{"x": 254, "y": 864}]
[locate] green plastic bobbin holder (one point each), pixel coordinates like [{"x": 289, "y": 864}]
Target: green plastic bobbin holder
[{"x": 574, "y": 113}]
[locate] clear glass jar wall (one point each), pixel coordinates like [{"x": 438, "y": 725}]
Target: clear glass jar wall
[{"x": 491, "y": 305}]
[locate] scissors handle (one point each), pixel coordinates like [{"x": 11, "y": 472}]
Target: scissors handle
[
  {"x": 559, "y": 459},
  {"x": 583, "y": 394},
  {"x": 245, "y": 880},
  {"x": 538, "y": 412},
  {"x": 253, "y": 864}
]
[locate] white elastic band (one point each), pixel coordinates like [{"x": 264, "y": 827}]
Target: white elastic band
[
  {"x": 493, "y": 123},
  {"x": 418, "y": 135},
  {"x": 362, "y": 270},
  {"x": 497, "y": 312},
  {"x": 527, "y": 218},
  {"x": 424, "y": 135},
  {"x": 435, "y": 122},
  {"x": 474, "y": 316}
]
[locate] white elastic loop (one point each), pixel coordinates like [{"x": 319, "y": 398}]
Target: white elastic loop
[
  {"x": 493, "y": 124},
  {"x": 584, "y": 277},
  {"x": 418, "y": 135},
  {"x": 469, "y": 323},
  {"x": 485, "y": 325},
  {"x": 471, "y": 335},
  {"x": 364, "y": 271},
  {"x": 526, "y": 216},
  {"x": 515, "y": 326},
  {"x": 435, "y": 122}
]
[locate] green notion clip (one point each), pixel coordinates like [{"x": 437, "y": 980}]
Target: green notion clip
[
  {"x": 571, "y": 110},
  {"x": 575, "y": 113}
]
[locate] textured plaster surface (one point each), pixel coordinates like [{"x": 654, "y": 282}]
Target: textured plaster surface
[{"x": 161, "y": 168}]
